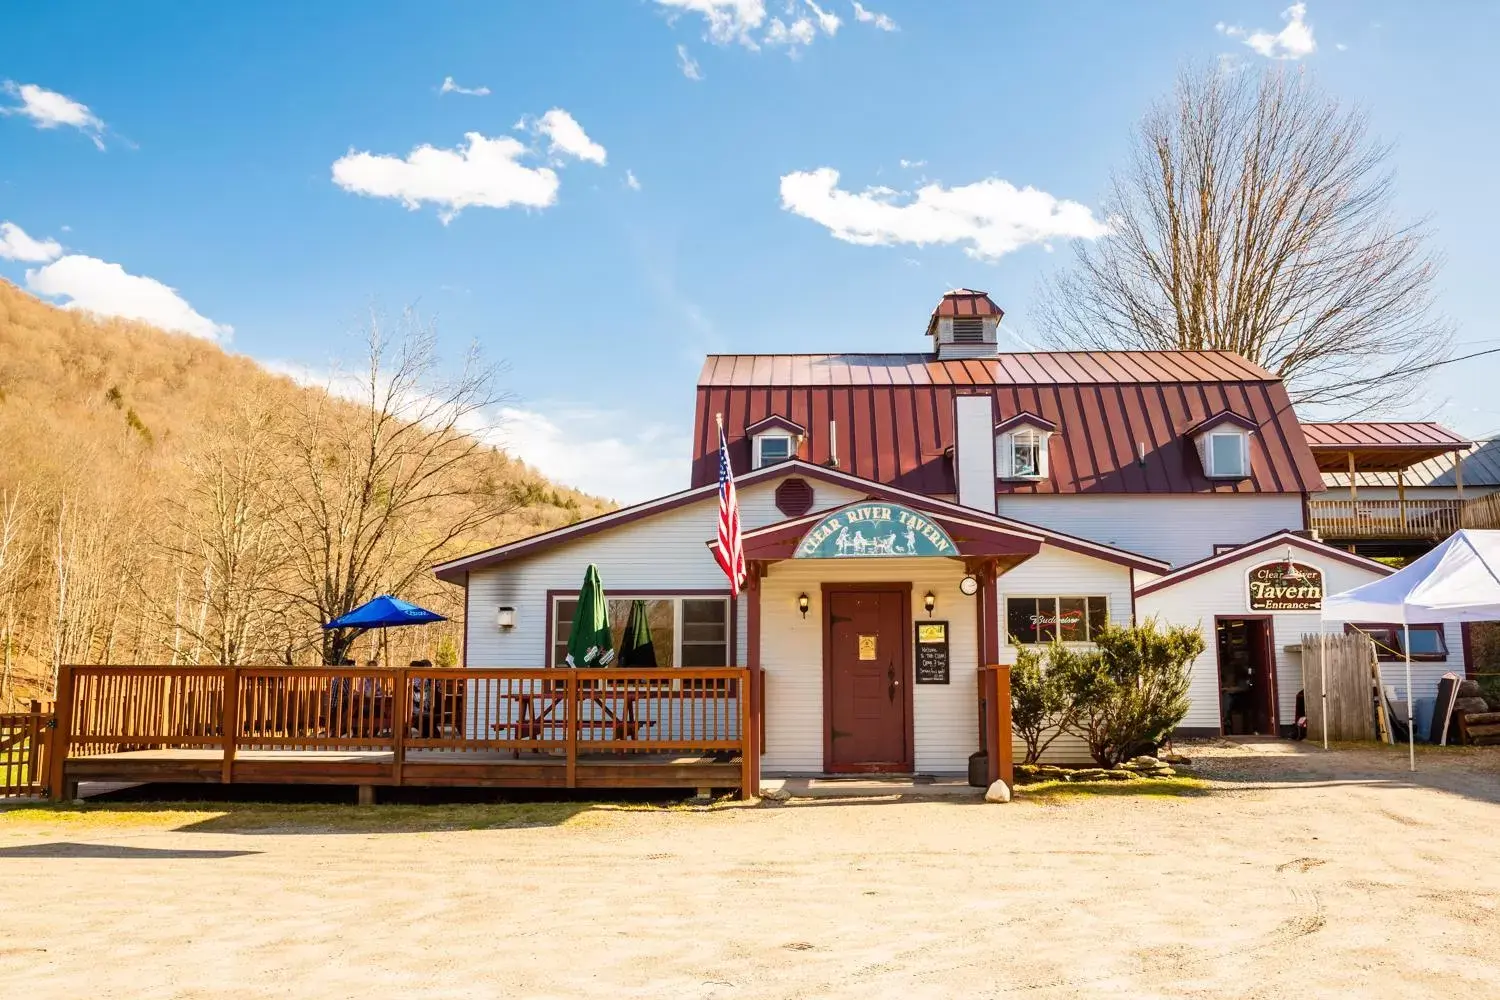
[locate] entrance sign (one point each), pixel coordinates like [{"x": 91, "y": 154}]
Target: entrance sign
[
  {"x": 1286, "y": 586},
  {"x": 932, "y": 653},
  {"x": 875, "y": 530}
]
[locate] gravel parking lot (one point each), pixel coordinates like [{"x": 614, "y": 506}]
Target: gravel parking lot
[{"x": 1298, "y": 873}]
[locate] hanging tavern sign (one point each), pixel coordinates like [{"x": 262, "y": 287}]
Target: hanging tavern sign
[
  {"x": 1286, "y": 586},
  {"x": 875, "y": 529}
]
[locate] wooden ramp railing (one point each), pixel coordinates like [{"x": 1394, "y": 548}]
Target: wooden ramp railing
[
  {"x": 437, "y": 716},
  {"x": 24, "y": 740},
  {"x": 1389, "y": 519}
]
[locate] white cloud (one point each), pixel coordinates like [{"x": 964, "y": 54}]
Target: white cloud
[
  {"x": 827, "y": 20},
  {"x": 109, "y": 290},
  {"x": 565, "y": 136},
  {"x": 728, "y": 20},
  {"x": 588, "y": 450},
  {"x": 1292, "y": 42},
  {"x": 990, "y": 218},
  {"x": 449, "y": 87},
  {"x": 912, "y": 164},
  {"x": 688, "y": 64},
  {"x": 867, "y": 16},
  {"x": 631, "y": 182},
  {"x": 486, "y": 173},
  {"x": 49, "y": 109},
  {"x": 16, "y": 245},
  {"x": 745, "y": 22}
]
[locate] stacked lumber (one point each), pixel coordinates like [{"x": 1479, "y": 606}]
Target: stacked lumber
[{"x": 1473, "y": 718}]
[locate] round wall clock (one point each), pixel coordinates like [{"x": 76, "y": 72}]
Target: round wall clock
[{"x": 969, "y": 585}]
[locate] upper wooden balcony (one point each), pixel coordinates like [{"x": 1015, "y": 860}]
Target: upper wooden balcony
[{"x": 1386, "y": 520}]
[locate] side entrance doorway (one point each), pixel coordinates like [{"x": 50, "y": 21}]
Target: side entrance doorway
[
  {"x": 867, "y": 687},
  {"x": 1247, "y": 676}
]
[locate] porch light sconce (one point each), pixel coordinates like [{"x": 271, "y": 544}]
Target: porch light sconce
[
  {"x": 506, "y": 618},
  {"x": 802, "y": 604},
  {"x": 929, "y": 602}
]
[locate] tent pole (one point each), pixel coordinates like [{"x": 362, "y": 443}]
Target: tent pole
[{"x": 1411, "y": 702}]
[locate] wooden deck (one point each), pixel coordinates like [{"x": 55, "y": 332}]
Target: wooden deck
[
  {"x": 495, "y": 728},
  {"x": 431, "y": 768},
  {"x": 1392, "y": 520}
]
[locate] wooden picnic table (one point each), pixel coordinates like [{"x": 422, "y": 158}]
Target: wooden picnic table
[{"x": 536, "y": 710}]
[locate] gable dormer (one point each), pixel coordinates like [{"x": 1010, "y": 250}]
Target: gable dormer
[
  {"x": 1021, "y": 446},
  {"x": 965, "y": 324},
  {"x": 774, "y": 439},
  {"x": 1223, "y": 443}
]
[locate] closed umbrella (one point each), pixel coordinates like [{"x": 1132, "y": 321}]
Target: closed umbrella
[
  {"x": 636, "y": 648},
  {"x": 590, "y": 643}
]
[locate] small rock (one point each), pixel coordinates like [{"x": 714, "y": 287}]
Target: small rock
[
  {"x": 998, "y": 791},
  {"x": 1121, "y": 775},
  {"x": 1088, "y": 774},
  {"x": 1474, "y": 705},
  {"x": 1175, "y": 758},
  {"x": 1469, "y": 688},
  {"x": 1162, "y": 772},
  {"x": 1144, "y": 761},
  {"x": 775, "y": 794}
]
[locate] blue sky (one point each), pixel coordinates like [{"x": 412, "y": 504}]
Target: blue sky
[{"x": 666, "y": 193}]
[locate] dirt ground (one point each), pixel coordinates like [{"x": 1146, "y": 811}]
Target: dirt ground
[{"x": 1301, "y": 874}]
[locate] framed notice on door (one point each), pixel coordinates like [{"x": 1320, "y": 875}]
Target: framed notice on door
[{"x": 932, "y": 652}]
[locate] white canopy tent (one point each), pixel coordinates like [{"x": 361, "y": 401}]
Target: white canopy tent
[{"x": 1459, "y": 581}]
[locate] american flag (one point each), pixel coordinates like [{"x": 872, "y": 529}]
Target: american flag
[{"x": 730, "y": 550}]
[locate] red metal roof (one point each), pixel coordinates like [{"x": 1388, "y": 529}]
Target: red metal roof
[
  {"x": 1370, "y": 434},
  {"x": 894, "y": 414},
  {"x": 1377, "y": 446},
  {"x": 964, "y": 302}
]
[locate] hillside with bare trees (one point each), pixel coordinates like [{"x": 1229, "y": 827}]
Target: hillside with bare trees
[{"x": 165, "y": 501}]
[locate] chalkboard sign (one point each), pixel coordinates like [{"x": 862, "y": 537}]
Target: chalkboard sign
[{"x": 932, "y": 652}]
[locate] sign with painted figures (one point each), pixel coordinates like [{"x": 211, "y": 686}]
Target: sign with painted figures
[
  {"x": 1286, "y": 586},
  {"x": 875, "y": 530}
]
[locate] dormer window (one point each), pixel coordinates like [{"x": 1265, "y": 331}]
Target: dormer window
[
  {"x": 1021, "y": 447},
  {"x": 1223, "y": 443},
  {"x": 775, "y": 439},
  {"x": 772, "y": 448}
]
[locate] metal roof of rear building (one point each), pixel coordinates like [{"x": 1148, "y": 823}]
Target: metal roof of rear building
[
  {"x": 1381, "y": 434},
  {"x": 1481, "y": 463}
]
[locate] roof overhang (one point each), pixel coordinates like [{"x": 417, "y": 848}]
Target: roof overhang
[
  {"x": 1025, "y": 418},
  {"x": 1378, "y": 458},
  {"x": 456, "y": 570},
  {"x": 1222, "y": 418},
  {"x": 1376, "y": 446},
  {"x": 775, "y": 422},
  {"x": 1268, "y": 543},
  {"x": 973, "y": 539}
]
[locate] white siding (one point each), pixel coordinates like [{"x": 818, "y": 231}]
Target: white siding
[
  {"x": 1223, "y": 592},
  {"x": 1179, "y": 529},
  {"x": 1055, "y": 572},
  {"x": 944, "y": 716},
  {"x": 663, "y": 552}
]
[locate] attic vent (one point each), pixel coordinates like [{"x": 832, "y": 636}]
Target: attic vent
[
  {"x": 794, "y": 497},
  {"x": 968, "y": 329}
]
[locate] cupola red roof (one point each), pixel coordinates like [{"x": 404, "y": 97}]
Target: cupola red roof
[{"x": 963, "y": 302}]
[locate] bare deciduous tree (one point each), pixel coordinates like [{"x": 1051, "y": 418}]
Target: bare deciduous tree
[
  {"x": 376, "y": 496},
  {"x": 1255, "y": 216}
]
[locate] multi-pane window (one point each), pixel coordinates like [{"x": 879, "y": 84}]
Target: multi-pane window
[
  {"x": 1427, "y": 641},
  {"x": 1026, "y": 454},
  {"x": 685, "y": 631},
  {"x": 1032, "y": 620}
]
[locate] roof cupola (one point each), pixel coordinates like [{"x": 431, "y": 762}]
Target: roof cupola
[{"x": 965, "y": 324}]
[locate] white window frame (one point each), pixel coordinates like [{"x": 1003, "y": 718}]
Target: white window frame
[
  {"x": 1057, "y": 600},
  {"x": 1041, "y": 439},
  {"x": 1212, "y": 464},
  {"x": 760, "y": 440},
  {"x": 729, "y": 623}
]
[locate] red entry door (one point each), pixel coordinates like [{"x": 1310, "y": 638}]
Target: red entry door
[{"x": 869, "y": 694}]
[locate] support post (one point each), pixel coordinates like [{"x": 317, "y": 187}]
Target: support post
[
  {"x": 999, "y": 762},
  {"x": 400, "y": 722},
  {"x": 1401, "y": 496},
  {"x": 1458, "y": 475},
  {"x": 62, "y": 736},
  {"x": 229, "y": 723},
  {"x": 570, "y": 705},
  {"x": 751, "y": 734}
]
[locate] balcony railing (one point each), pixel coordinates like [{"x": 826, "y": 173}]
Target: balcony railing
[{"x": 1388, "y": 519}]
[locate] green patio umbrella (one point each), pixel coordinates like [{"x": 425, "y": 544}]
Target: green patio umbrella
[
  {"x": 590, "y": 643},
  {"x": 636, "y": 649}
]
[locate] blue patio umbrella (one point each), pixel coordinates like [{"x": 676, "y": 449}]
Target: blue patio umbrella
[{"x": 384, "y": 612}]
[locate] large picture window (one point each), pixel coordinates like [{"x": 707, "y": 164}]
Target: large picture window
[
  {"x": 685, "y": 631},
  {"x": 1427, "y": 641},
  {"x": 1032, "y": 620}
]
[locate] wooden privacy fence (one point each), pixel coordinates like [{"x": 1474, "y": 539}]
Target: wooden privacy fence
[
  {"x": 24, "y": 738},
  {"x": 1351, "y": 691},
  {"x": 1482, "y": 512},
  {"x": 436, "y": 715}
]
